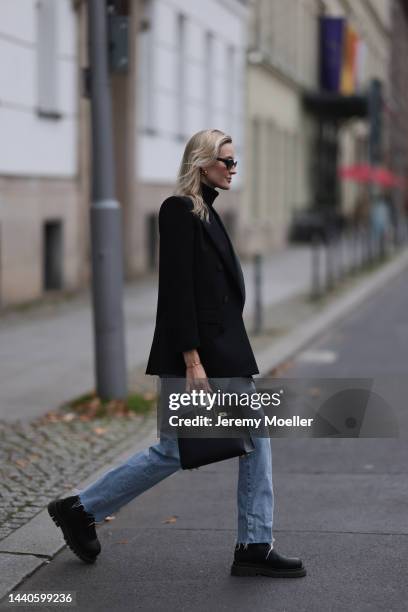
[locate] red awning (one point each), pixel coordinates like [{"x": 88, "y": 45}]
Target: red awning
[
  {"x": 361, "y": 173},
  {"x": 364, "y": 173}
]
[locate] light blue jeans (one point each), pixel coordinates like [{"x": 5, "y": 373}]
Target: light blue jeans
[{"x": 146, "y": 468}]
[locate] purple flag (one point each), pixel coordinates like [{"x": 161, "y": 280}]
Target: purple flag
[{"x": 331, "y": 52}]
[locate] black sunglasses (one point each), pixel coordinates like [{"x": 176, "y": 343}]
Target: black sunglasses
[{"x": 228, "y": 161}]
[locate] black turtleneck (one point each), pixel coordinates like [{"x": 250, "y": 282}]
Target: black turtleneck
[{"x": 209, "y": 194}]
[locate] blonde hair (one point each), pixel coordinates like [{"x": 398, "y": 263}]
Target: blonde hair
[{"x": 201, "y": 150}]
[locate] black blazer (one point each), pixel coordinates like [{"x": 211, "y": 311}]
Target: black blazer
[{"x": 200, "y": 299}]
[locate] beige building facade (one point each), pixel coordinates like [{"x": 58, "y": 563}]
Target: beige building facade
[
  {"x": 372, "y": 22},
  {"x": 282, "y": 60},
  {"x": 283, "y": 63}
]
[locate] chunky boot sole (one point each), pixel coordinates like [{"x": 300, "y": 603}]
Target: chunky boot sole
[
  {"x": 68, "y": 537},
  {"x": 259, "y": 570}
]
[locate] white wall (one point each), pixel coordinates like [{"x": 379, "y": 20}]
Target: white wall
[
  {"x": 33, "y": 145},
  {"x": 160, "y": 152}
]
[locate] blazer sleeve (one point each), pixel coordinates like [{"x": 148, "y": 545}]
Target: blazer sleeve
[{"x": 176, "y": 271}]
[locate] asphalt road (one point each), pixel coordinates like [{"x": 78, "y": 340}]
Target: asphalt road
[{"x": 340, "y": 504}]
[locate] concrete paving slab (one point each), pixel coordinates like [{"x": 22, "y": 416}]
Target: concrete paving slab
[
  {"x": 35, "y": 537},
  {"x": 16, "y": 565}
]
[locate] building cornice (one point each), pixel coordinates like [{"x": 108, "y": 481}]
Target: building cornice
[{"x": 257, "y": 59}]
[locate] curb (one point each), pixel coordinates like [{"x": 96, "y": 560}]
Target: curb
[{"x": 303, "y": 334}]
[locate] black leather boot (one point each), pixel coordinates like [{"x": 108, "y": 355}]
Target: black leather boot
[
  {"x": 78, "y": 527},
  {"x": 259, "y": 559}
]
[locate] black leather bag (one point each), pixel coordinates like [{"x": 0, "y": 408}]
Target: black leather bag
[{"x": 197, "y": 451}]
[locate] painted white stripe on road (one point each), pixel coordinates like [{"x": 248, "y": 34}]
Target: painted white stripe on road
[{"x": 316, "y": 356}]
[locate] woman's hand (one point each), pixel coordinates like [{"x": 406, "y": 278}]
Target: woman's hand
[{"x": 196, "y": 378}]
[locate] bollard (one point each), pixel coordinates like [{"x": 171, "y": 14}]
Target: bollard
[
  {"x": 258, "y": 315},
  {"x": 339, "y": 257},
  {"x": 315, "y": 267},
  {"x": 329, "y": 262},
  {"x": 349, "y": 251},
  {"x": 381, "y": 246},
  {"x": 355, "y": 251},
  {"x": 364, "y": 246}
]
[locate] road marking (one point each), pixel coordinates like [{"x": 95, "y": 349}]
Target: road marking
[{"x": 316, "y": 356}]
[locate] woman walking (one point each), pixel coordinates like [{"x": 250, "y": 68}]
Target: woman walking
[{"x": 199, "y": 334}]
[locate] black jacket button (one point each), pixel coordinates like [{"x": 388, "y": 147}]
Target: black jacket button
[{"x": 225, "y": 299}]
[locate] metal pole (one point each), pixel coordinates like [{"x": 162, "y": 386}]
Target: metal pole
[{"x": 105, "y": 221}]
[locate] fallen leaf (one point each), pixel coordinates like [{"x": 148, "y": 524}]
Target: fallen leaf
[
  {"x": 171, "y": 519},
  {"x": 68, "y": 417},
  {"x": 281, "y": 368},
  {"x": 110, "y": 518},
  {"x": 149, "y": 395},
  {"x": 100, "y": 430}
]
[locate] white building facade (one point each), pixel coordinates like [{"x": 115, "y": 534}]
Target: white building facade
[
  {"x": 191, "y": 76},
  {"x": 40, "y": 231}
]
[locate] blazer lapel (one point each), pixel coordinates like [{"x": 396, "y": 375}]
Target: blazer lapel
[{"x": 236, "y": 271}]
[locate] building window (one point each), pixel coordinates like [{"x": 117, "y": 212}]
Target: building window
[
  {"x": 146, "y": 73},
  {"x": 255, "y": 166},
  {"x": 256, "y": 25},
  {"x": 52, "y": 255},
  {"x": 208, "y": 87},
  {"x": 271, "y": 157},
  {"x": 231, "y": 93},
  {"x": 181, "y": 89},
  {"x": 47, "y": 59}
]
